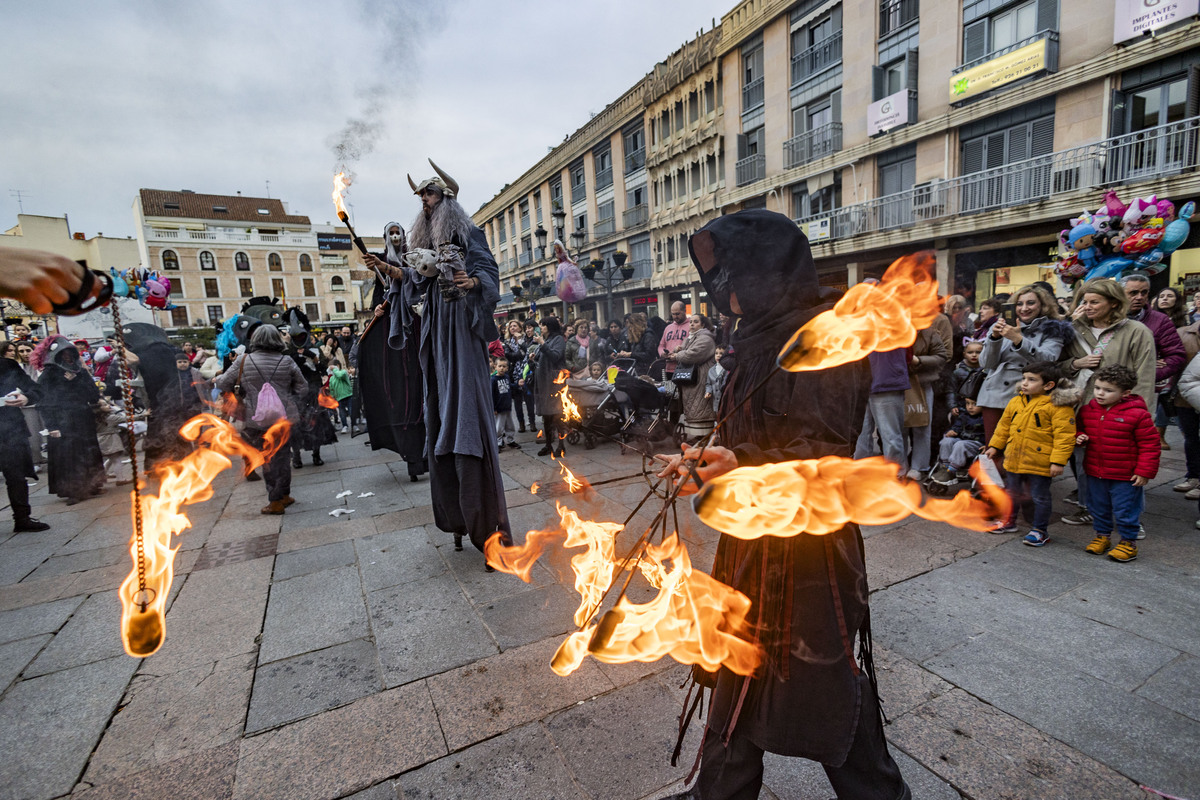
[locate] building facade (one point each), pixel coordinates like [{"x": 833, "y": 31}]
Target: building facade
[
  {"x": 221, "y": 250},
  {"x": 975, "y": 128}
]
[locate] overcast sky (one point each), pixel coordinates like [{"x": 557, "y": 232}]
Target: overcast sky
[{"x": 101, "y": 98}]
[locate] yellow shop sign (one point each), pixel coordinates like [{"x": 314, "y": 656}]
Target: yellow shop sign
[{"x": 999, "y": 71}]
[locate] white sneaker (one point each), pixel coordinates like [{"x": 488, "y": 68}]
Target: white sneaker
[
  {"x": 1193, "y": 494},
  {"x": 1141, "y": 531},
  {"x": 1187, "y": 485},
  {"x": 915, "y": 475},
  {"x": 345, "y": 429}
]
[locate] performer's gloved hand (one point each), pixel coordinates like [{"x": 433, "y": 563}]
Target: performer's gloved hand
[
  {"x": 717, "y": 461},
  {"x": 464, "y": 281}
]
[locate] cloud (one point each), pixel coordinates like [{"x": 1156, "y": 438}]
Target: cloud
[{"x": 222, "y": 96}]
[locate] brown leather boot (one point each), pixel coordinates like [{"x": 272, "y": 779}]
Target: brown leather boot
[
  {"x": 274, "y": 507},
  {"x": 287, "y": 500}
]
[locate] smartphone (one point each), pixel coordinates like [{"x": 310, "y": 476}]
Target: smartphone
[{"x": 1010, "y": 313}]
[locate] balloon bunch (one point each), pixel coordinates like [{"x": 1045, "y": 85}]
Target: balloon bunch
[
  {"x": 151, "y": 288},
  {"x": 1121, "y": 237}
]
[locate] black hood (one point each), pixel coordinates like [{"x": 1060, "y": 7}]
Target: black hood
[
  {"x": 298, "y": 327},
  {"x": 140, "y": 335},
  {"x": 759, "y": 255}
]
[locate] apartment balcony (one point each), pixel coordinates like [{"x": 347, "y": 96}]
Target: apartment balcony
[
  {"x": 638, "y": 215},
  {"x": 604, "y": 179},
  {"x": 222, "y": 237},
  {"x": 752, "y": 95},
  {"x": 578, "y": 193},
  {"x": 604, "y": 227},
  {"x": 961, "y": 86},
  {"x": 811, "y": 145},
  {"x": 524, "y": 258},
  {"x": 751, "y": 169},
  {"x": 635, "y": 160},
  {"x": 1154, "y": 153},
  {"x": 642, "y": 269},
  {"x": 823, "y": 55}
]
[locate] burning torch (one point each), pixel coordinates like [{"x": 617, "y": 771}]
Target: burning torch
[{"x": 341, "y": 182}]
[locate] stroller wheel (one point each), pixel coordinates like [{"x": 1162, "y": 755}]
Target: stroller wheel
[{"x": 573, "y": 437}]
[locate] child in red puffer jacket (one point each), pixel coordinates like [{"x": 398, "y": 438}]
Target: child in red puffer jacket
[{"x": 1122, "y": 455}]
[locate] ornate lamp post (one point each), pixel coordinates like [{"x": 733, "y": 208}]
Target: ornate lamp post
[{"x": 608, "y": 275}]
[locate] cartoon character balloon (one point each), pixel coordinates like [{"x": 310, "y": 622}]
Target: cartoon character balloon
[{"x": 1119, "y": 238}]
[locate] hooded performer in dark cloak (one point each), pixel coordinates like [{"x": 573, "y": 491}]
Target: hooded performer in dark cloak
[
  {"x": 389, "y": 364},
  {"x": 68, "y": 408},
  {"x": 811, "y": 698},
  {"x": 456, "y": 326}
]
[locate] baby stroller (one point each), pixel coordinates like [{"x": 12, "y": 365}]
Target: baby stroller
[
  {"x": 649, "y": 420},
  {"x": 601, "y": 411},
  {"x": 944, "y": 481}
]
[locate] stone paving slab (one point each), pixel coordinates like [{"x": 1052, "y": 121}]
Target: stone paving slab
[
  {"x": 221, "y": 554},
  {"x": 16, "y": 655},
  {"x": 907, "y": 553},
  {"x": 425, "y": 627},
  {"x": 92, "y": 634},
  {"x": 312, "y": 612},
  {"x": 508, "y": 690},
  {"x": 344, "y": 750},
  {"x": 207, "y": 775},
  {"x": 167, "y": 720},
  {"x": 521, "y": 764},
  {"x": 49, "y": 725},
  {"x": 801, "y": 779},
  {"x": 619, "y": 744},
  {"x": 1175, "y": 686},
  {"x": 531, "y": 616},
  {"x": 307, "y": 684},
  {"x": 989, "y": 755},
  {"x": 396, "y": 557},
  {"x": 40, "y": 618},
  {"x": 314, "y": 559},
  {"x": 1146, "y": 741},
  {"x": 343, "y": 529}
]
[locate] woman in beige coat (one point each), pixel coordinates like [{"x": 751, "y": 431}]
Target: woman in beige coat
[{"x": 698, "y": 350}]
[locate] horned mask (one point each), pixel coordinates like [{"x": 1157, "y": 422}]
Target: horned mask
[{"x": 447, "y": 185}]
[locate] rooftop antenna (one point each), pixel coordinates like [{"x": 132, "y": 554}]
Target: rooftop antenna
[
  {"x": 20, "y": 194},
  {"x": 268, "y": 190}
]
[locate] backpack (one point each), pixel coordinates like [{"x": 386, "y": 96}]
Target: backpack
[{"x": 269, "y": 408}]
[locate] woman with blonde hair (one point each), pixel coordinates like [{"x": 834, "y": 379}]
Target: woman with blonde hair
[
  {"x": 1105, "y": 336},
  {"x": 638, "y": 343},
  {"x": 1038, "y": 335}
]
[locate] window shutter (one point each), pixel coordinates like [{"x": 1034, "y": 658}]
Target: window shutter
[
  {"x": 836, "y": 16},
  {"x": 1042, "y": 137},
  {"x": 1018, "y": 144},
  {"x": 835, "y": 105},
  {"x": 741, "y": 146},
  {"x": 1116, "y": 120},
  {"x": 972, "y": 156},
  {"x": 1193, "y": 91},
  {"x": 878, "y": 83},
  {"x": 799, "y": 120},
  {"x": 1047, "y": 15},
  {"x": 975, "y": 41},
  {"x": 994, "y": 150},
  {"x": 910, "y": 71}
]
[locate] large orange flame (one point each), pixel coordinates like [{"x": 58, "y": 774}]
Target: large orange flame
[
  {"x": 694, "y": 619},
  {"x": 183, "y": 482},
  {"x": 868, "y": 318},
  {"x": 341, "y": 182},
  {"x": 324, "y": 400},
  {"x": 820, "y": 496}
]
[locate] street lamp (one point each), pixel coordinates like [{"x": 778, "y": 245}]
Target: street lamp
[
  {"x": 609, "y": 274},
  {"x": 560, "y": 221},
  {"x": 540, "y": 234}
]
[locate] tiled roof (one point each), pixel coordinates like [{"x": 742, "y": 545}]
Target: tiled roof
[{"x": 160, "y": 203}]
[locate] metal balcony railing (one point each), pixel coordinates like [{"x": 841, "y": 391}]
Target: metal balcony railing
[
  {"x": 811, "y": 145},
  {"x": 524, "y": 258},
  {"x": 751, "y": 169},
  {"x": 578, "y": 193},
  {"x": 641, "y": 268},
  {"x": 752, "y": 95},
  {"x": 635, "y": 160},
  {"x": 604, "y": 227},
  {"x": 636, "y": 215},
  {"x": 1051, "y": 52},
  {"x": 895, "y": 14},
  {"x": 604, "y": 179},
  {"x": 1153, "y": 153},
  {"x": 823, "y": 55}
]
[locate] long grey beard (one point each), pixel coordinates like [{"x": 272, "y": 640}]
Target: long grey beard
[{"x": 448, "y": 223}]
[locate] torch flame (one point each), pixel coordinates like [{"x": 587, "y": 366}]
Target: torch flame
[
  {"x": 819, "y": 496},
  {"x": 868, "y": 318},
  {"x": 325, "y": 401},
  {"x": 575, "y": 485},
  {"x": 341, "y": 182},
  {"x": 143, "y": 614}
]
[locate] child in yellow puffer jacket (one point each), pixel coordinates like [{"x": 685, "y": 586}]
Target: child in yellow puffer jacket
[{"x": 1036, "y": 433}]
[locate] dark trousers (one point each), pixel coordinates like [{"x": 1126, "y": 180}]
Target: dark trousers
[
  {"x": 18, "y": 489},
  {"x": 1031, "y": 496},
  {"x": 550, "y": 431},
  {"x": 463, "y": 493},
  {"x": 522, "y": 401},
  {"x": 1115, "y": 501},
  {"x": 277, "y": 473},
  {"x": 1189, "y": 425},
  {"x": 735, "y": 772}
]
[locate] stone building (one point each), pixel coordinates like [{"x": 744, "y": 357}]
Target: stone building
[
  {"x": 220, "y": 250},
  {"x": 975, "y": 128}
]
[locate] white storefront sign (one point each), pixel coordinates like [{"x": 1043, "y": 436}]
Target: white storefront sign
[
  {"x": 890, "y": 112},
  {"x": 816, "y": 230},
  {"x": 1136, "y": 17}
]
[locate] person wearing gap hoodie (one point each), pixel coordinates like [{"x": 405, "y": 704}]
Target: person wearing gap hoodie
[{"x": 885, "y": 409}]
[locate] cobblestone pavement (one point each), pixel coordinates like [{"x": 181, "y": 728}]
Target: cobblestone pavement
[{"x": 309, "y": 656}]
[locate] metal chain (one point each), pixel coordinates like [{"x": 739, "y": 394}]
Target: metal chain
[{"x": 144, "y": 596}]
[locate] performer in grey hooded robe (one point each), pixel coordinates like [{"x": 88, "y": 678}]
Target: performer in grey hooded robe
[{"x": 456, "y": 326}]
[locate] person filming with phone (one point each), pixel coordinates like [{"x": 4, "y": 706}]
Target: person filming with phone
[{"x": 1029, "y": 331}]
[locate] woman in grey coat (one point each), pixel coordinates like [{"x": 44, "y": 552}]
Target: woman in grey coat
[
  {"x": 549, "y": 360},
  {"x": 266, "y": 363},
  {"x": 1039, "y": 335}
]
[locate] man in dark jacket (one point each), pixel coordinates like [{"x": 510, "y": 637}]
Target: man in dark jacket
[
  {"x": 1168, "y": 347},
  {"x": 809, "y": 593},
  {"x": 16, "y": 459}
]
